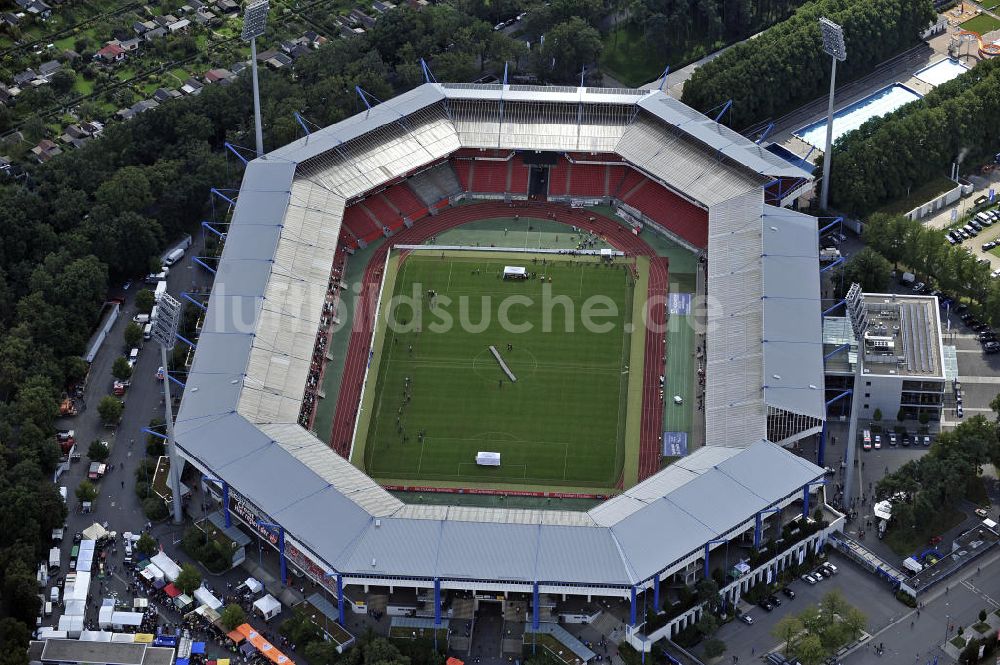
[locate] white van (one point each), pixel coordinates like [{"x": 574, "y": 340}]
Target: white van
[
  {"x": 64, "y": 493},
  {"x": 173, "y": 257},
  {"x": 47, "y": 609},
  {"x": 141, "y": 319},
  {"x": 147, "y": 331},
  {"x": 54, "y": 594},
  {"x": 133, "y": 356}
]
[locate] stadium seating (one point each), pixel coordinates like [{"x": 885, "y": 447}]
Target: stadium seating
[
  {"x": 402, "y": 198},
  {"x": 463, "y": 169},
  {"x": 558, "y": 178},
  {"x": 436, "y": 183},
  {"x": 670, "y": 211},
  {"x": 519, "y": 174},
  {"x": 625, "y": 182},
  {"x": 595, "y": 157},
  {"x": 360, "y": 223},
  {"x": 490, "y": 177},
  {"x": 588, "y": 179},
  {"x": 384, "y": 213}
]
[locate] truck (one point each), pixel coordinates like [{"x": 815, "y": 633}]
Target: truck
[
  {"x": 67, "y": 407},
  {"x": 161, "y": 288},
  {"x": 65, "y": 438},
  {"x": 55, "y": 559},
  {"x": 173, "y": 256},
  {"x": 828, "y": 254},
  {"x": 97, "y": 470},
  {"x": 118, "y": 388}
]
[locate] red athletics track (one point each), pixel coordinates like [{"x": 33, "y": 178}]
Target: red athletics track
[{"x": 615, "y": 234}]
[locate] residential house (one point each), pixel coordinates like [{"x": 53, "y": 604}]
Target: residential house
[
  {"x": 45, "y": 150},
  {"x": 155, "y": 33},
  {"x": 237, "y": 68},
  {"x": 264, "y": 56},
  {"x": 218, "y": 75},
  {"x": 288, "y": 45},
  {"x": 191, "y": 87},
  {"x": 180, "y": 26},
  {"x": 69, "y": 55},
  {"x": 364, "y": 19},
  {"x": 347, "y": 31},
  {"x": 227, "y": 6},
  {"x": 165, "y": 20},
  {"x": 5, "y": 94},
  {"x": 382, "y": 7},
  {"x": 47, "y": 69},
  {"x": 95, "y": 127},
  {"x": 163, "y": 95},
  {"x": 74, "y": 132},
  {"x": 279, "y": 61},
  {"x": 5, "y": 164},
  {"x": 35, "y": 7},
  {"x": 204, "y": 16},
  {"x": 298, "y": 51},
  {"x": 144, "y": 105},
  {"x": 140, "y": 27},
  {"x": 9, "y": 19},
  {"x": 112, "y": 52},
  {"x": 124, "y": 114},
  {"x": 25, "y": 77},
  {"x": 131, "y": 45},
  {"x": 186, "y": 9}
]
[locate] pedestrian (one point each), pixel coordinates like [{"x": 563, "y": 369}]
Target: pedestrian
[
  {"x": 500, "y": 384},
  {"x": 123, "y": 484}
]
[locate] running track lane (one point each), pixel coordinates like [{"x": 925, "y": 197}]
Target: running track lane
[{"x": 615, "y": 234}]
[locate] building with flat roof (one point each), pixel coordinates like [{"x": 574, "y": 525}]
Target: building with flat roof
[
  {"x": 902, "y": 358},
  {"x": 78, "y": 652}
]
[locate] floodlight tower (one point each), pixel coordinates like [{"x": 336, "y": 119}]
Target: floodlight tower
[
  {"x": 857, "y": 313},
  {"x": 833, "y": 46},
  {"x": 165, "y": 332},
  {"x": 254, "y": 25}
]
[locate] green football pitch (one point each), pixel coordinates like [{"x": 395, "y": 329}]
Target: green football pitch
[{"x": 436, "y": 397}]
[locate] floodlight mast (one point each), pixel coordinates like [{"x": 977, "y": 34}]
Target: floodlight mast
[
  {"x": 254, "y": 25},
  {"x": 833, "y": 46},
  {"x": 165, "y": 332}
]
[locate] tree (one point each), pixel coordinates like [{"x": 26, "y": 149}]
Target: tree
[
  {"x": 146, "y": 545},
  {"x": 132, "y": 334},
  {"x": 810, "y": 650},
  {"x": 127, "y": 190},
  {"x": 144, "y": 301},
  {"x": 568, "y": 47},
  {"x": 786, "y": 631},
  {"x": 98, "y": 451},
  {"x": 110, "y": 410},
  {"x": 62, "y": 81},
  {"x": 855, "y": 621},
  {"x": 707, "y": 624},
  {"x": 877, "y": 415},
  {"x": 232, "y": 615},
  {"x": 714, "y": 647},
  {"x": 188, "y": 579},
  {"x": 995, "y": 405},
  {"x": 121, "y": 370},
  {"x": 86, "y": 491},
  {"x": 869, "y": 269}
]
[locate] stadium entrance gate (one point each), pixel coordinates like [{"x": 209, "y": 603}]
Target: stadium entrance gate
[{"x": 538, "y": 180}]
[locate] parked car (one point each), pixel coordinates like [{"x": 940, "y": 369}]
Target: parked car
[
  {"x": 821, "y": 573},
  {"x": 788, "y": 592},
  {"x": 747, "y": 619},
  {"x": 981, "y": 512},
  {"x": 991, "y": 347},
  {"x": 926, "y": 441},
  {"x": 905, "y": 439},
  {"x": 765, "y": 605},
  {"x": 830, "y": 568},
  {"x": 878, "y": 442},
  {"x": 892, "y": 439},
  {"x": 809, "y": 579},
  {"x": 774, "y": 600},
  {"x": 917, "y": 287}
]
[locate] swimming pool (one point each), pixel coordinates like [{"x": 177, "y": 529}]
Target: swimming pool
[
  {"x": 941, "y": 71},
  {"x": 851, "y": 117}
]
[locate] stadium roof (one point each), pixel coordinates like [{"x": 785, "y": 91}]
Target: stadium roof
[{"x": 239, "y": 411}]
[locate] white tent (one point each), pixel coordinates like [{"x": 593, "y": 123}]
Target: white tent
[
  {"x": 170, "y": 569},
  {"x": 123, "y": 637},
  {"x": 75, "y": 608},
  {"x": 267, "y": 606},
  {"x": 95, "y": 532},
  {"x": 85, "y": 561},
  {"x": 104, "y": 616},
  {"x": 79, "y": 589},
  {"x": 49, "y": 633},
  {"x": 72, "y": 625},
  {"x": 205, "y": 597},
  {"x": 95, "y": 636},
  {"x": 253, "y": 585},
  {"x": 514, "y": 272},
  {"x": 120, "y": 620}
]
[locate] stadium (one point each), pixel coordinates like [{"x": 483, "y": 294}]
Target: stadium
[{"x": 391, "y": 193}]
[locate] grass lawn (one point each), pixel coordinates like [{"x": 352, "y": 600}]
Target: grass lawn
[
  {"x": 180, "y": 74},
  {"x": 905, "y": 543},
  {"x": 919, "y": 196},
  {"x": 561, "y": 423},
  {"x": 991, "y": 4},
  {"x": 65, "y": 43},
  {"x": 82, "y": 86},
  {"x": 982, "y": 24},
  {"x": 627, "y": 58}
]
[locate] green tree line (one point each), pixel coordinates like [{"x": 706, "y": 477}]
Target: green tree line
[
  {"x": 785, "y": 66},
  {"x": 886, "y": 157}
]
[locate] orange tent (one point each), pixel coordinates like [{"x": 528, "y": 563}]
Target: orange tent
[
  {"x": 454, "y": 661},
  {"x": 263, "y": 646}
]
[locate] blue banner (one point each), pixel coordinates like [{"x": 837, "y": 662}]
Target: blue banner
[{"x": 675, "y": 444}]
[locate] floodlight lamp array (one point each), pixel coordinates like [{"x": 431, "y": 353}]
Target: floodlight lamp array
[
  {"x": 168, "y": 317},
  {"x": 255, "y": 19},
  {"x": 833, "y": 39}
]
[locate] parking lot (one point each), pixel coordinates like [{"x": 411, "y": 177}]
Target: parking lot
[{"x": 871, "y": 595}]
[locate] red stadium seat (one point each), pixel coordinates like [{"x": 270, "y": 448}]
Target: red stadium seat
[
  {"x": 405, "y": 201},
  {"x": 519, "y": 174},
  {"x": 360, "y": 223},
  {"x": 490, "y": 177},
  {"x": 588, "y": 179},
  {"x": 558, "y": 177},
  {"x": 463, "y": 169},
  {"x": 670, "y": 211}
]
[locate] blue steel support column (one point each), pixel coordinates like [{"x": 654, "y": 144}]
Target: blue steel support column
[
  {"x": 340, "y": 597},
  {"x": 821, "y": 450},
  {"x": 757, "y": 526},
  {"x": 281, "y": 555},
  {"x": 534, "y": 607},
  {"x": 656, "y": 593},
  {"x": 706, "y": 559},
  {"x": 805, "y": 501},
  {"x": 437, "y": 601},
  {"x": 225, "y": 504},
  {"x": 632, "y": 608}
]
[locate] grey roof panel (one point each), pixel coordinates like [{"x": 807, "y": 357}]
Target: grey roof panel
[
  {"x": 580, "y": 554},
  {"x": 222, "y": 440},
  {"x": 637, "y": 533},
  {"x": 468, "y": 549},
  {"x": 770, "y": 471},
  {"x": 395, "y": 547},
  {"x": 343, "y": 521},
  {"x": 717, "y": 502}
]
